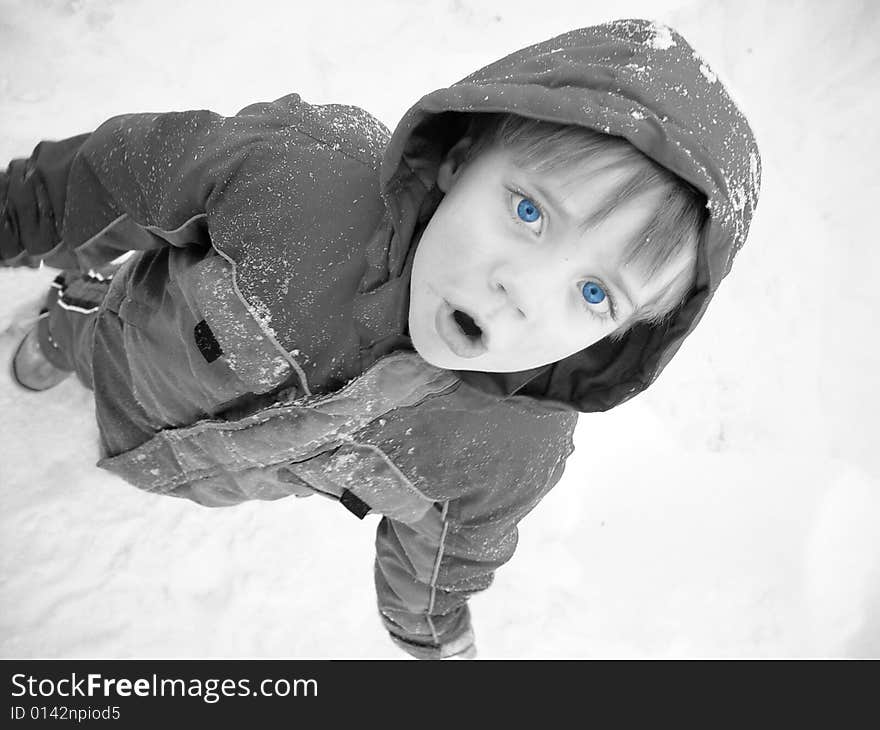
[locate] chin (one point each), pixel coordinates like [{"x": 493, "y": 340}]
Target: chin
[
  {"x": 477, "y": 364},
  {"x": 497, "y": 368}
]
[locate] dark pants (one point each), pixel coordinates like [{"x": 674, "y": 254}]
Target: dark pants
[{"x": 82, "y": 336}]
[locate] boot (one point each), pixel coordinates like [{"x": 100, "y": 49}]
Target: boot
[{"x": 31, "y": 369}]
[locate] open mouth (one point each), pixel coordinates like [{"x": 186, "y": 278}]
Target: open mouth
[
  {"x": 460, "y": 332},
  {"x": 467, "y": 324}
]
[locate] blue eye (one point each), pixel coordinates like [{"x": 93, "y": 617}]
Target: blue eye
[
  {"x": 593, "y": 293},
  {"x": 528, "y": 211}
]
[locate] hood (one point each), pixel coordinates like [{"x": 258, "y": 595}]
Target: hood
[{"x": 635, "y": 79}]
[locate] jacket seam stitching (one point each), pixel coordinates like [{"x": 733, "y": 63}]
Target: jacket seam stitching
[
  {"x": 159, "y": 229},
  {"x": 436, "y": 571},
  {"x": 339, "y": 149},
  {"x": 100, "y": 233},
  {"x": 396, "y": 470},
  {"x": 297, "y": 368}
]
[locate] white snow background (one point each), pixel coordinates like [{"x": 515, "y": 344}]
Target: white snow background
[{"x": 732, "y": 510}]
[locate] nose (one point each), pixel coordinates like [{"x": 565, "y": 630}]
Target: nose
[
  {"x": 529, "y": 288},
  {"x": 510, "y": 292}
]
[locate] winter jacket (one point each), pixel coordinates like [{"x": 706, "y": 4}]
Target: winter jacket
[{"x": 265, "y": 315}]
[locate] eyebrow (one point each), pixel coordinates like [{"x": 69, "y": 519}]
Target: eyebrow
[
  {"x": 550, "y": 199},
  {"x": 611, "y": 275},
  {"x": 618, "y": 285}
]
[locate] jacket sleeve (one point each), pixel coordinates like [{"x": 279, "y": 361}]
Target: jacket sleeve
[
  {"x": 157, "y": 170},
  {"x": 33, "y": 195},
  {"x": 426, "y": 571},
  {"x": 423, "y": 584}
]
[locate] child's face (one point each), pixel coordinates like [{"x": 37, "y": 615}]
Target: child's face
[{"x": 504, "y": 247}]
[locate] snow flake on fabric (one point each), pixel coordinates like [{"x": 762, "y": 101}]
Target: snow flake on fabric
[
  {"x": 710, "y": 75},
  {"x": 755, "y": 177},
  {"x": 660, "y": 37},
  {"x": 262, "y": 314},
  {"x": 351, "y": 130}
]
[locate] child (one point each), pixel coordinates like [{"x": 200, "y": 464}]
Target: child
[{"x": 408, "y": 324}]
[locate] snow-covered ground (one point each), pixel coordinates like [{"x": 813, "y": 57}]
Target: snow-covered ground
[{"x": 731, "y": 510}]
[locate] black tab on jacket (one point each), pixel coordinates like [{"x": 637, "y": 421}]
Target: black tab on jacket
[
  {"x": 354, "y": 504},
  {"x": 206, "y": 342}
]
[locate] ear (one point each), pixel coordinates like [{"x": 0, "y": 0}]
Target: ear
[{"x": 452, "y": 164}]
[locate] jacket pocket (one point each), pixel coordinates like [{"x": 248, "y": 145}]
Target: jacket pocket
[
  {"x": 180, "y": 373},
  {"x": 247, "y": 346}
]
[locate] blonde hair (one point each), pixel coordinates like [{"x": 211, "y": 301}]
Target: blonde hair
[{"x": 671, "y": 234}]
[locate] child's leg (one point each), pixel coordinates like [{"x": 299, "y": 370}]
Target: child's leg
[
  {"x": 66, "y": 332},
  {"x": 123, "y": 424},
  {"x": 77, "y": 335}
]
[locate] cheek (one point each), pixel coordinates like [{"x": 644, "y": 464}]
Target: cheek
[
  {"x": 482, "y": 243},
  {"x": 462, "y": 240},
  {"x": 449, "y": 234}
]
